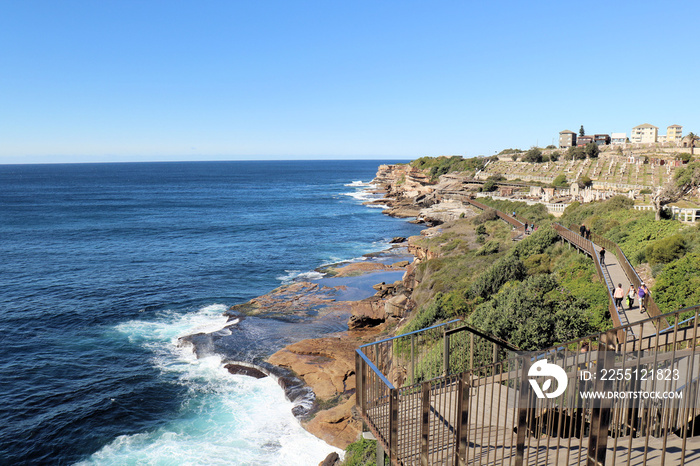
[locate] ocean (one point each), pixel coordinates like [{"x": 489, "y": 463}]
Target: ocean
[{"x": 105, "y": 266}]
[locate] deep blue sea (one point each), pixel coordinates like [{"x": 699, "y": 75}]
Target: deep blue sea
[{"x": 104, "y": 266}]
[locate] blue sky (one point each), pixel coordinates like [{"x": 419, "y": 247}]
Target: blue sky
[{"x": 208, "y": 80}]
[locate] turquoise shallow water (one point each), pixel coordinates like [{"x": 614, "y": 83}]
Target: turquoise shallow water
[{"x": 106, "y": 265}]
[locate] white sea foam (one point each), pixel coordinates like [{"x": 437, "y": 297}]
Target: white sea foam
[
  {"x": 362, "y": 195},
  {"x": 358, "y": 183},
  {"x": 298, "y": 275},
  {"x": 224, "y": 419}
]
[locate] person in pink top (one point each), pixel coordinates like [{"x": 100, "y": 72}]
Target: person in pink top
[{"x": 619, "y": 296}]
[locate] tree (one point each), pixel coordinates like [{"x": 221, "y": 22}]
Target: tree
[
  {"x": 534, "y": 155},
  {"x": 592, "y": 150},
  {"x": 692, "y": 139},
  {"x": 489, "y": 186},
  {"x": 584, "y": 181},
  {"x": 581, "y": 131},
  {"x": 685, "y": 157},
  {"x": 560, "y": 182},
  {"x": 575, "y": 153},
  {"x": 684, "y": 181}
]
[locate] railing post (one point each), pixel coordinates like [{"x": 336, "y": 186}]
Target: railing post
[
  {"x": 446, "y": 354},
  {"x": 600, "y": 415},
  {"x": 463, "y": 419},
  {"x": 413, "y": 360},
  {"x": 393, "y": 424},
  {"x": 359, "y": 383},
  {"x": 523, "y": 406},
  {"x": 425, "y": 423},
  {"x": 471, "y": 351}
]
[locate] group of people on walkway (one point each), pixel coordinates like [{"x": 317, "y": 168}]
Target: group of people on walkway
[
  {"x": 642, "y": 293},
  {"x": 585, "y": 231}
]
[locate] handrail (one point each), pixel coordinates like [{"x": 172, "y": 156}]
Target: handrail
[
  {"x": 583, "y": 244},
  {"x": 375, "y": 369},
  {"x": 485, "y": 336},
  {"x": 587, "y": 246},
  {"x": 630, "y": 271},
  {"x": 492, "y": 410},
  {"x": 503, "y": 216},
  {"x": 678, "y": 324},
  {"x": 409, "y": 333}
]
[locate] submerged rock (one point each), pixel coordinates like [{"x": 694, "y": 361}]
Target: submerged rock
[{"x": 245, "y": 370}]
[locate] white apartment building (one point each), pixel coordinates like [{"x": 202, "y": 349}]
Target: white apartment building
[
  {"x": 618, "y": 138},
  {"x": 645, "y": 133}
]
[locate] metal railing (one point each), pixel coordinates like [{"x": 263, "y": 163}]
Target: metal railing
[
  {"x": 631, "y": 273},
  {"x": 586, "y": 246},
  {"x": 493, "y": 414},
  {"x": 416, "y": 376}
]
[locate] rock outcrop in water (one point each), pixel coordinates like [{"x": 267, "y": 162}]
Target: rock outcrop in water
[{"x": 317, "y": 374}]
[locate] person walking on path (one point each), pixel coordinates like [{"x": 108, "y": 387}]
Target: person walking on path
[
  {"x": 582, "y": 230},
  {"x": 602, "y": 255},
  {"x": 631, "y": 293},
  {"x": 642, "y": 293},
  {"x": 619, "y": 295},
  {"x": 643, "y": 290}
]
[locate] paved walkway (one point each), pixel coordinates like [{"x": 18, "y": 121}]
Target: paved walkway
[{"x": 618, "y": 276}]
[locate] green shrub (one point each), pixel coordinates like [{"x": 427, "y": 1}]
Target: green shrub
[
  {"x": 678, "y": 286},
  {"x": 532, "y": 315},
  {"x": 444, "y": 306},
  {"x": 665, "y": 250},
  {"x": 536, "y": 214},
  {"x": 491, "y": 247},
  {"x": 505, "y": 269},
  {"x": 537, "y": 263},
  {"x": 536, "y": 243},
  {"x": 485, "y": 216},
  {"x": 534, "y": 155},
  {"x": 560, "y": 182},
  {"x": 361, "y": 453},
  {"x": 489, "y": 186}
]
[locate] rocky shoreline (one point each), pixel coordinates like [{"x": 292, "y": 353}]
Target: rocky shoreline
[
  {"x": 327, "y": 365},
  {"x": 374, "y": 296}
]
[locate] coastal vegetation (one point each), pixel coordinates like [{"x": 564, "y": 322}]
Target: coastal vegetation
[
  {"x": 536, "y": 293},
  {"x": 436, "y": 166},
  {"x": 361, "y": 452},
  {"x": 511, "y": 290}
]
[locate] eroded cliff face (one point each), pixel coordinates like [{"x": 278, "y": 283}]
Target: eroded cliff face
[{"x": 410, "y": 192}]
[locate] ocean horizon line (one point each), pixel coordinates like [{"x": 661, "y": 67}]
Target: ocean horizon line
[{"x": 266, "y": 159}]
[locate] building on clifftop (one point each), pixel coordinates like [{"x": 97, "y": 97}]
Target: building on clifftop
[
  {"x": 618, "y": 139},
  {"x": 645, "y": 133},
  {"x": 567, "y": 139},
  {"x": 674, "y": 134}
]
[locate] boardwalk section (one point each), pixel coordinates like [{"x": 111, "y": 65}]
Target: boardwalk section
[
  {"x": 492, "y": 414},
  {"x": 450, "y": 394}
]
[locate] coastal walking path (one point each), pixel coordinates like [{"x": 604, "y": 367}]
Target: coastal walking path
[
  {"x": 613, "y": 272},
  {"x": 617, "y": 275}
]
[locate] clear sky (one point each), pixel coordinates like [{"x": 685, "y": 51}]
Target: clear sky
[{"x": 122, "y": 80}]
